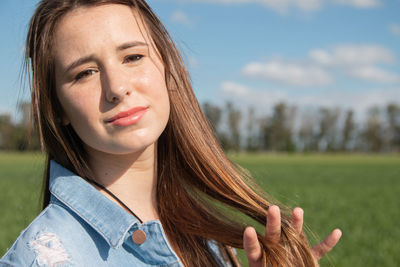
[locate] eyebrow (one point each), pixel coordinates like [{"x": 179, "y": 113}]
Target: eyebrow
[
  {"x": 131, "y": 44},
  {"x": 79, "y": 62},
  {"x": 92, "y": 57}
]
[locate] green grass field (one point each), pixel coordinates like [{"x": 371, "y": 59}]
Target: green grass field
[{"x": 360, "y": 194}]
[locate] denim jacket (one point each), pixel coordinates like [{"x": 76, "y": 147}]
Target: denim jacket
[{"x": 82, "y": 227}]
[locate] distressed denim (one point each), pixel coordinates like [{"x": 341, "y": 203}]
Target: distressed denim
[{"x": 82, "y": 227}]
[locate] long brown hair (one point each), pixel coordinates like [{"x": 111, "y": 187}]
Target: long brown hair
[{"x": 194, "y": 175}]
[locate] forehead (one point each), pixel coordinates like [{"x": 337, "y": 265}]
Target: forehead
[{"x": 88, "y": 29}]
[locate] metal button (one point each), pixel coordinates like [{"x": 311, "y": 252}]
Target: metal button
[{"x": 139, "y": 237}]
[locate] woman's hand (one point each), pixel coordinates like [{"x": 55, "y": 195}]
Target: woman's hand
[{"x": 273, "y": 233}]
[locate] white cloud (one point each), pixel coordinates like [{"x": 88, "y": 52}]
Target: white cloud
[
  {"x": 244, "y": 96},
  {"x": 181, "y": 17},
  {"x": 359, "y": 101},
  {"x": 357, "y": 61},
  {"x": 361, "y": 62},
  {"x": 352, "y": 55},
  {"x": 288, "y": 73},
  {"x": 234, "y": 88},
  {"x": 359, "y": 3},
  {"x": 395, "y": 29},
  {"x": 374, "y": 74},
  {"x": 283, "y": 6}
]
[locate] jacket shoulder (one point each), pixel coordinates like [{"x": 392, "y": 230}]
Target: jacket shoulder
[{"x": 39, "y": 244}]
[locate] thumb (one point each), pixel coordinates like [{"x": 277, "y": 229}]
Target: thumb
[{"x": 252, "y": 247}]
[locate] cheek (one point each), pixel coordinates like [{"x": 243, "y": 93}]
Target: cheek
[
  {"x": 77, "y": 107},
  {"x": 72, "y": 109},
  {"x": 161, "y": 98},
  {"x": 154, "y": 87},
  {"x": 165, "y": 111}
]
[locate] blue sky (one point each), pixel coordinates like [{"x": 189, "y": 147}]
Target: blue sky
[{"x": 336, "y": 53}]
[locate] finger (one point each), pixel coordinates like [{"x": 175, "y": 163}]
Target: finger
[
  {"x": 273, "y": 227},
  {"x": 325, "y": 246},
  {"x": 252, "y": 247},
  {"x": 297, "y": 219}
]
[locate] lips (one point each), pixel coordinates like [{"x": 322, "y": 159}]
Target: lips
[{"x": 129, "y": 117}]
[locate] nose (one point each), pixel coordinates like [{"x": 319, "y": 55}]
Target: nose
[{"x": 116, "y": 85}]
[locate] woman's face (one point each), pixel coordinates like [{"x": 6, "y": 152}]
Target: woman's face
[{"x": 109, "y": 79}]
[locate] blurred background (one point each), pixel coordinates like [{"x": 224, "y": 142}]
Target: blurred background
[{"x": 303, "y": 93}]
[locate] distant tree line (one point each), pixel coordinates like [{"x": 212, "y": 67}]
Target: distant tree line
[
  {"x": 18, "y": 136},
  {"x": 290, "y": 129},
  {"x": 286, "y": 129}
]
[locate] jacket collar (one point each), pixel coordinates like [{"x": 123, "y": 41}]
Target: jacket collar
[{"x": 109, "y": 219}]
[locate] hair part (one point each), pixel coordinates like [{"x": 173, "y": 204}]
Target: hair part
[{"x": 194, "y": 174}]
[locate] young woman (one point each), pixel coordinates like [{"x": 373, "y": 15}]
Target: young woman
[{"x": 134, "y": 175}]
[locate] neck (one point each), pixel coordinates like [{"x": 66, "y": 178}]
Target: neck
[{"x": 132, "y": 178}]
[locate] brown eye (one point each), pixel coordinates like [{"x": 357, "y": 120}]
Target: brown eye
[
  {"x": 84, "y": 74},
  {"x": 132, "y": 58}
]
